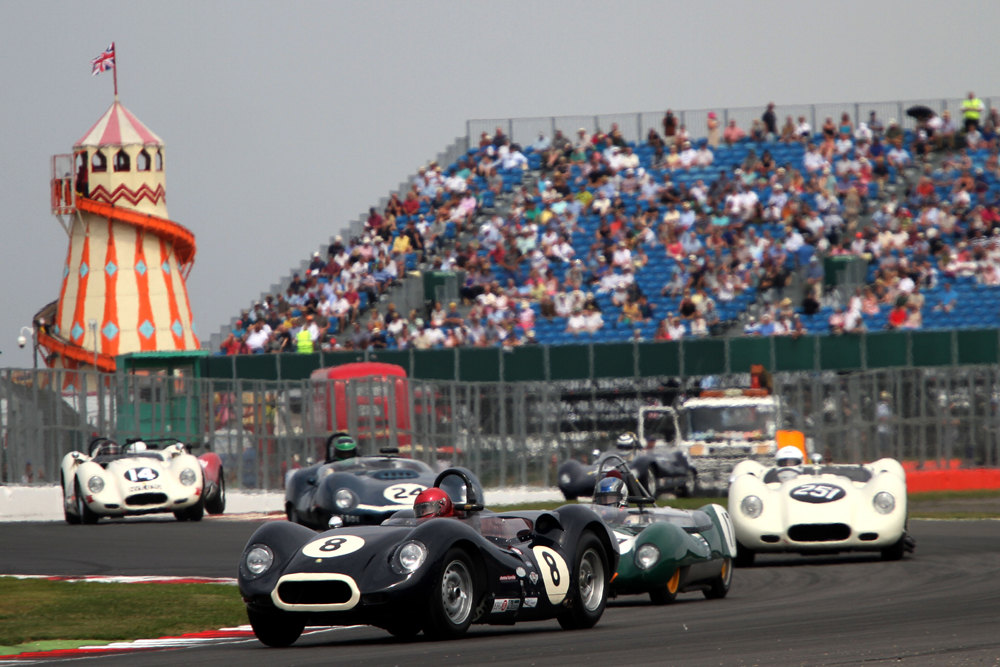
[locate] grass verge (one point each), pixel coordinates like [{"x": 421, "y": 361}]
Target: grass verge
[{"x": 34, "y": 610}]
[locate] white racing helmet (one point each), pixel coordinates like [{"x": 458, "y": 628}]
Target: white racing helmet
[
  {"x": 627, "y": 442},
  {"x": 789, "y": 456}
]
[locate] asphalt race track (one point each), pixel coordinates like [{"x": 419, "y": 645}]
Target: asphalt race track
[{"x": 940, "y": 606}]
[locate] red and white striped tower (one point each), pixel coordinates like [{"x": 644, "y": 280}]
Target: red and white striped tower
[{"x": 123, "y": 287}]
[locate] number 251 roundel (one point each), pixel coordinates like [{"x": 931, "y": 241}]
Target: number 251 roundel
[
  {"x": 818, "y": 493},
  {"x": 330, "y": 547}
]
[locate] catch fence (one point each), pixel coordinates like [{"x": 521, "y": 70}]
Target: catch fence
[
  {"x": 635, "y": 125},
  {"x": 513, "y": 433}
]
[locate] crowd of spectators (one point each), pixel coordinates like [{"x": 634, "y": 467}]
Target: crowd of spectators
[{"x": 664, "y": 239}]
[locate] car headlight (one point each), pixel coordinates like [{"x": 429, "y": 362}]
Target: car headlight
[
  {"x": 565, "y": 478},
  {"x": 344, "y": 499},
  {"x": 188, "y": 477},
  {"x": 752, "y": 506},
  {"x": 259, "y": 560},
  {"x": 95, "y": 484},
  {"x": 646, "y": 556},
  {"x": 411, "y": 556},
  {"x": 884, "y": 502}
]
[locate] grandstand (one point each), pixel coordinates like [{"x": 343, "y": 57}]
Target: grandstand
[{"x": 725, "y": 234}]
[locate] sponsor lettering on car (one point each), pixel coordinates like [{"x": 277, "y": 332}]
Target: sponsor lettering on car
[{"x": 505, "y": 604}]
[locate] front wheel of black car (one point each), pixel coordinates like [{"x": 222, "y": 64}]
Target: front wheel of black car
[
  {"x": 719, "y": 587},
  {"x": 276, "y": 629},
  {"x": 453, "y": 598},
  {"x": 588, "y": 585},
  {"x": 652, "y": 483},
  {"x": 217, "y": 505}
]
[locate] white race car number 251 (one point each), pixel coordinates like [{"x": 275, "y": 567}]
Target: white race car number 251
[{"x": 404, "y": 494}]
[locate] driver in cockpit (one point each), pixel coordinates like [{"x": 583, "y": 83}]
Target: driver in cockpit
[{"x": 788, "y": 457}]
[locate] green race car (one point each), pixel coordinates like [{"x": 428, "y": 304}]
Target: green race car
[{"x": 664, "y": 551}]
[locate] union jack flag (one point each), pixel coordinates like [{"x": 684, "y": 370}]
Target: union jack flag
[{"x": 105, "y": 61}]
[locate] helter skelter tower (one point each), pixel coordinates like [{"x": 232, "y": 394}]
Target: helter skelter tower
[{"x": 123, "y": 287}]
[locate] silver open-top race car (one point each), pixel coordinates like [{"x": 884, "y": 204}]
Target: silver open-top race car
[
  {"x": 819, "y": 508},
  {"x": 137, "y": 478}
]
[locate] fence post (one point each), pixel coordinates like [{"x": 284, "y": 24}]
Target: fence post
[
  {"x": 638, "y": 127},
  {"x": 812, "y": 113},
  {"x": 553, "y": 127},
  {"x": 510, "y": 129},
  {"x": 468, "y": 132}
]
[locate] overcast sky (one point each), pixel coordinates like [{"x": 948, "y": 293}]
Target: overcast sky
[{"x": 285, "y": 120}]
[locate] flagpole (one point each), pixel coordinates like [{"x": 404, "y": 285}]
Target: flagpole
[{"x": 114, "y": 54}]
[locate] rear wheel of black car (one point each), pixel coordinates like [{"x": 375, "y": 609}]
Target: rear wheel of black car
[
  {"x": 588, "y": 585},
  {"x": 454, "y": 597},
  {"x": 217, "y": 505},
  {"x": 896, "y": 550},
  {"x": 276, "y": 629},
  {"x": 690, "y": 487},
  {"x": 83, "y": 510},
  {"x": 719, "y": 587},
  {"x": 667, "y": 593},
  {"x": 744, "y": 556}
]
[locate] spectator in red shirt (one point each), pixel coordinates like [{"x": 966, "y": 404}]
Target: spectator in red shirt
[{"x": 897, "y": 317}]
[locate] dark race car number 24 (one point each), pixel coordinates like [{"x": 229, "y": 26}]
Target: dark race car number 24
[{"x": 818, "y": 493}]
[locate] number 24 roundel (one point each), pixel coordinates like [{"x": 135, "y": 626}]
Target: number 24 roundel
[
  {"x": 555, "y": 574},
  {"x": 818, "y": 493},
  {"x": 330, "y": 547}
]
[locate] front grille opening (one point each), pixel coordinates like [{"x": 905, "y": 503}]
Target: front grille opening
[
  {"x": 819, "y": 532},
  {"x": 146, "y": 499},
  {"x": 868, "y": 537},
  {"x": 314, "y": 592},
  {"x": 771, "y": 539}
]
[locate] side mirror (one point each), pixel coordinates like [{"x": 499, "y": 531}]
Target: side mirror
[
  {"x": 311, "y": 480},
  {"x": 596, "y": 452},
  {"x": 335, "y": 522},
  {"x": 817, "y": 459}
]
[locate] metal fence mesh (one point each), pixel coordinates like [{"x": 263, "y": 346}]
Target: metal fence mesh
[
  {"x": 507, "y": 433},
  {"x": 635, "y": 126}
]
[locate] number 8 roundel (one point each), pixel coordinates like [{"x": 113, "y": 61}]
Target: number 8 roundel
[
  {"x": 555, "y": 574},
  {"x": 330, "y": 547}
]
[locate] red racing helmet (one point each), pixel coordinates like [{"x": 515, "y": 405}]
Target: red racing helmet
[{"x": 433, "y": 502}]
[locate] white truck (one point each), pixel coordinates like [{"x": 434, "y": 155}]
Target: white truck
[{"x": 716, "y": 430}]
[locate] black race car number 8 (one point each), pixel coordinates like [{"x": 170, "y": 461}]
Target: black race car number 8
[
  {"x": 555, "y": 574},
  {"x": 818, "y": 493},
  {"x": 330, "y": 547}
]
